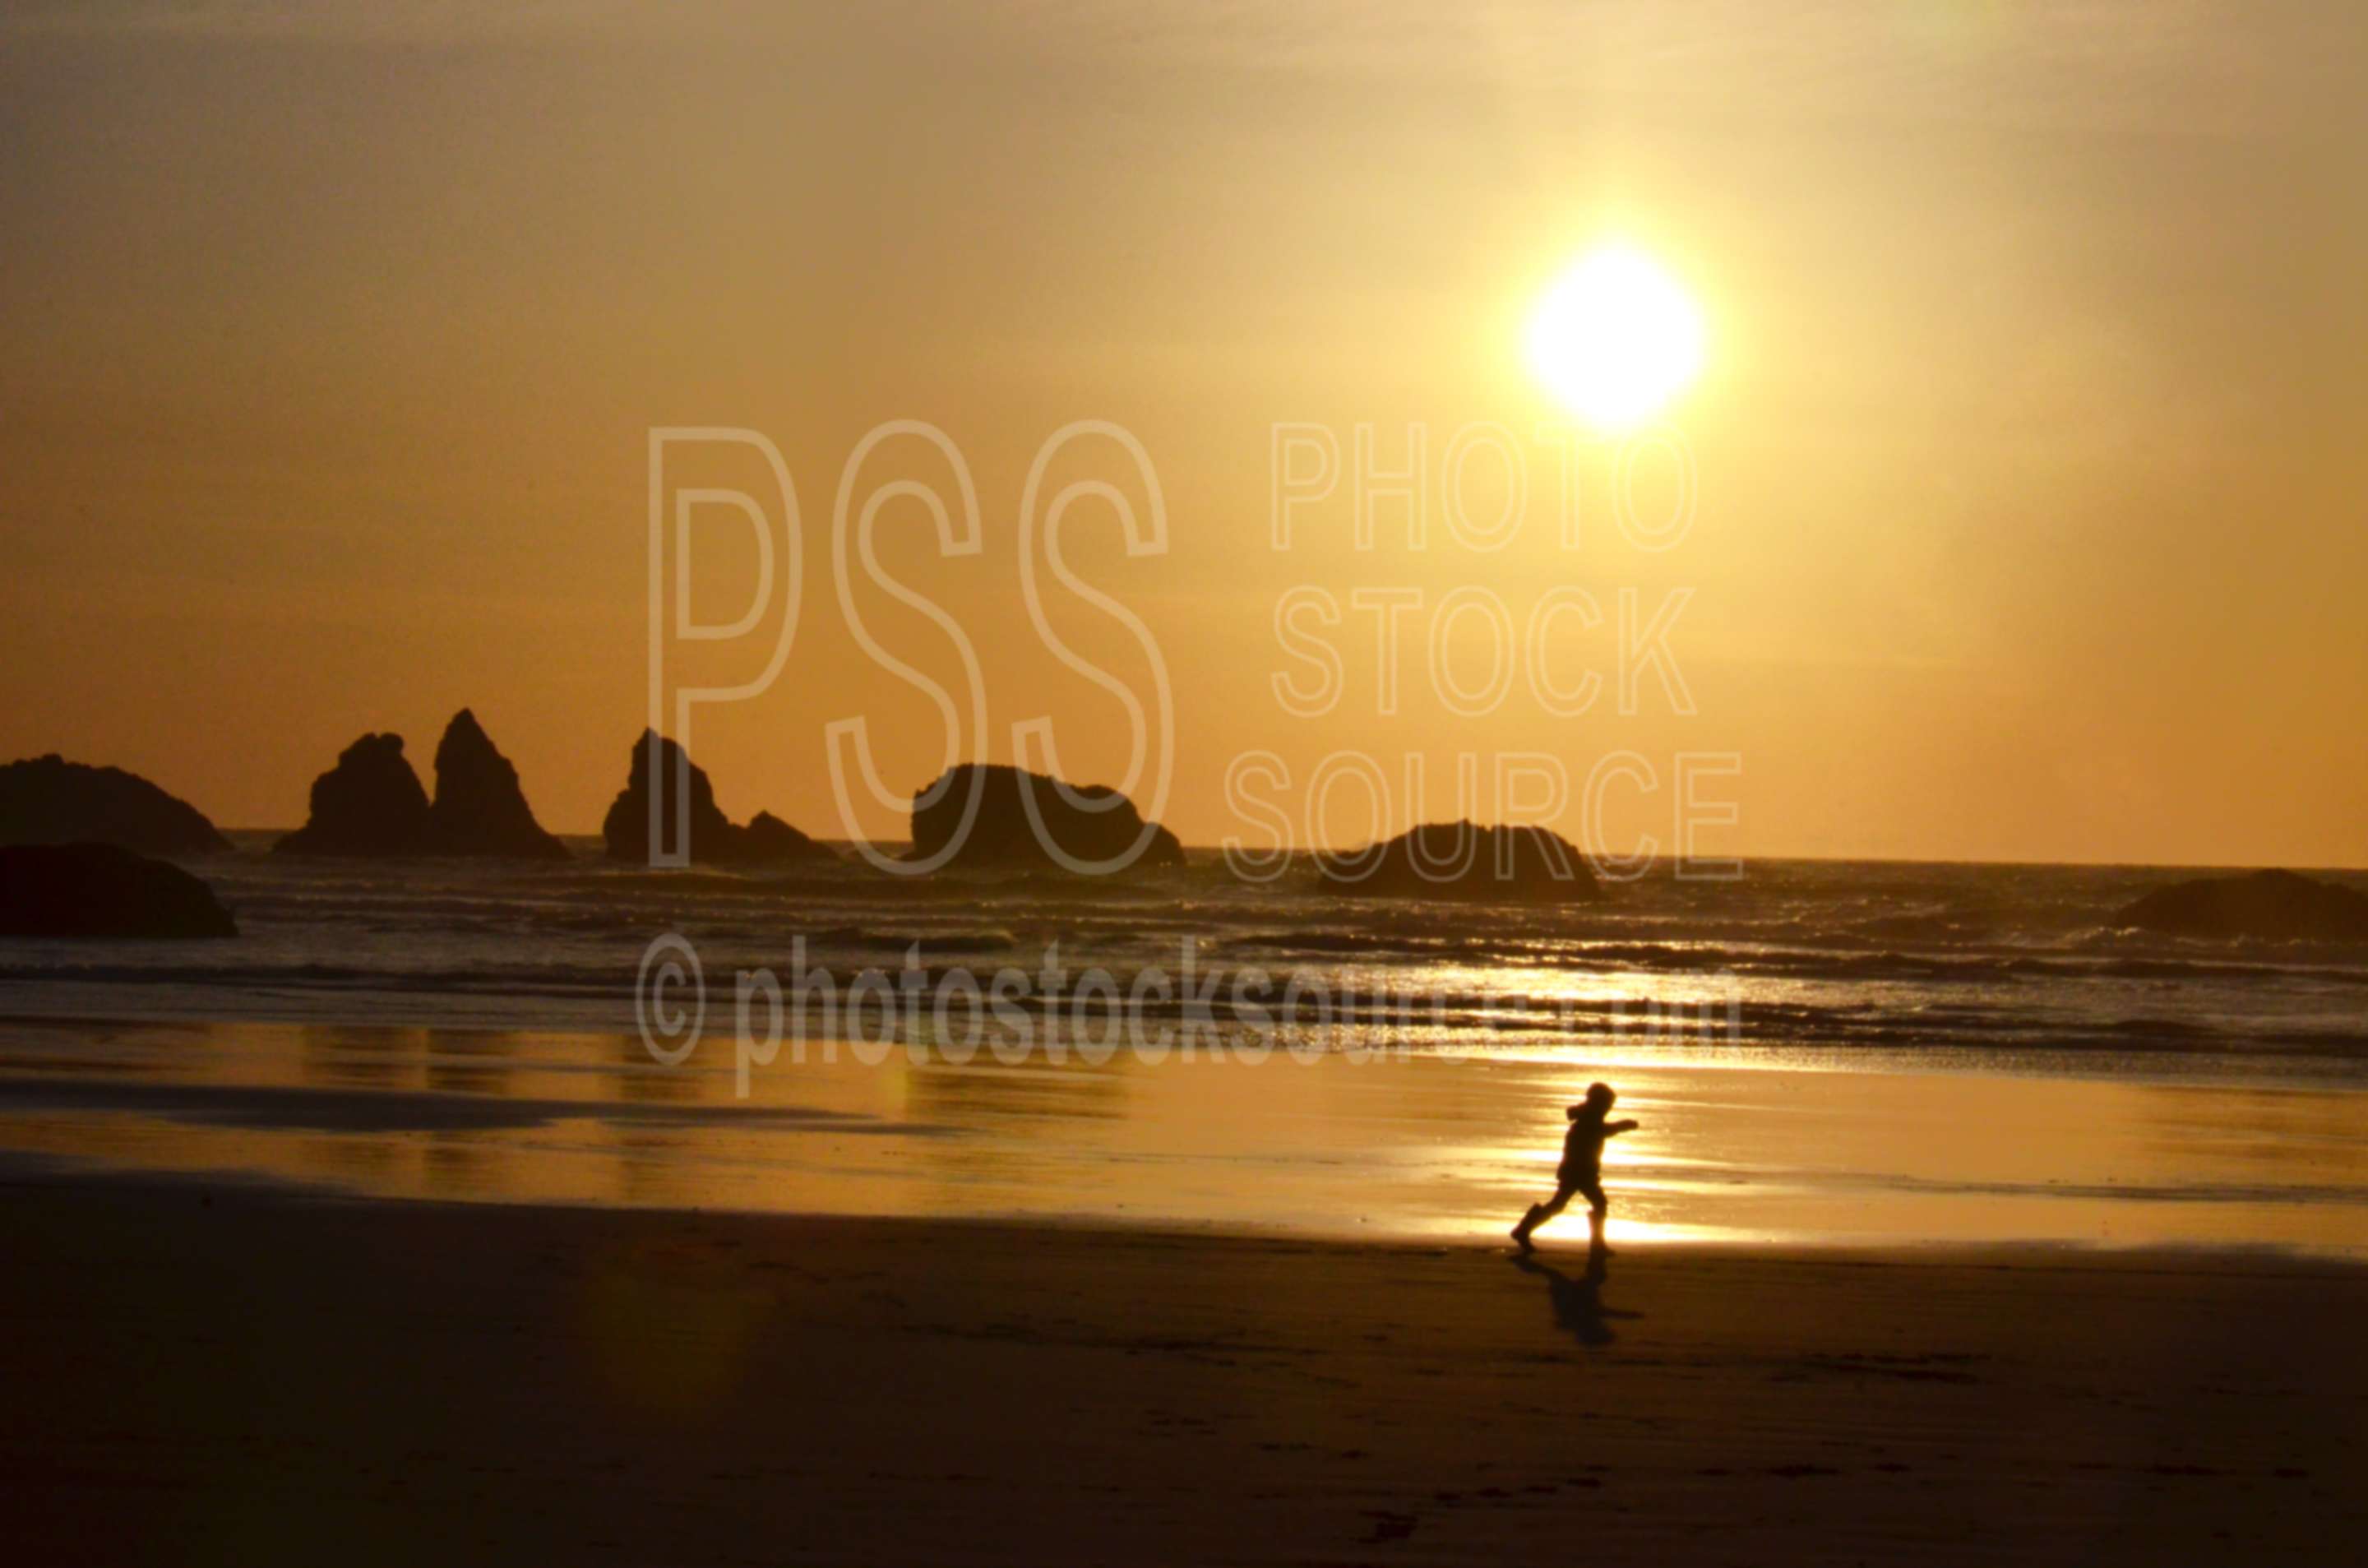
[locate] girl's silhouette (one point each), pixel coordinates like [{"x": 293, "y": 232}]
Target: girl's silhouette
[{"x": 1582, "y": 1163}]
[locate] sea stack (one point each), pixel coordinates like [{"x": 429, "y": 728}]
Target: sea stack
[
  {"x": 370, "y": 804},
  {"x": 1464, "y": 860},
  {"x": 1093, "y": 826},
  {"x": 480, "y": 810},
  {"x": 103, "y": 890},
  {"x": 2276, "y": 906},
  {"x": 712, "y": 837},
  {"x": 46, "y": 800}
]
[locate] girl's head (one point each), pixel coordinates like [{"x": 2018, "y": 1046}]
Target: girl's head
[{"x": 1599, "y": 1099}]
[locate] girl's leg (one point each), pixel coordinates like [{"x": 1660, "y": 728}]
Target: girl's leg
[
  {"x": 1540, "y": 1214},
  {"x": 1597, "y": 1206}
]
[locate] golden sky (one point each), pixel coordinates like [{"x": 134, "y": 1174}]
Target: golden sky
[{"x": 2032, "y": 496}]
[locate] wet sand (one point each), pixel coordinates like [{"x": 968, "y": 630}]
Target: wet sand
[
  {"x": 1761, "y": 1150},
  {"x": 241, "y": 1375}
]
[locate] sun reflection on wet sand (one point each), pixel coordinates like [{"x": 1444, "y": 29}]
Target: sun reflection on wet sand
[{"x": 1432, "y": 1148}]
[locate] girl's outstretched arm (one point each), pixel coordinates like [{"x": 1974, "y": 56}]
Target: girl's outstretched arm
[{"x": 1628, "y": 1126}]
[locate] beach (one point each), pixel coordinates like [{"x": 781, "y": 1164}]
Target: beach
[
  {"x": 2020, "y": 1240},
  {"x": 1758, "y": 1146},
  {"x": 233, "y": 1372}
]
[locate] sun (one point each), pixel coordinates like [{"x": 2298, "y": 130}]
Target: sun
[{"x": 1616, "y": 338}]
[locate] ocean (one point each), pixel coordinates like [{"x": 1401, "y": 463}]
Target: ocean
[{"x": 1819, "y": 1050}]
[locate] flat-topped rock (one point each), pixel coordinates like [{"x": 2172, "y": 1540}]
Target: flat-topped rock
[
  {"x": 1093, "y": 827},
  {"x": 46, "y": 800},
  {"x": 103, "y": 890},
  {"x": 1464, "y": 860},
  {"x": 2269, "y": 905}
]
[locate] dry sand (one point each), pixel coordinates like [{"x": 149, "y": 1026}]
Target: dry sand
[{"x": 245, "y": 1376}]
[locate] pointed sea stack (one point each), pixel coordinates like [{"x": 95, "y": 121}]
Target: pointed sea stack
[
  {"x": 1004, "y": 834},
  {"x": 370, "y": 804},
  {"x": 480, "y": 809},
  {"x": 2275, "y": 906},
  {"x": 1464, "y": 860},
  {"x": 46, "y": 800},
  {"x": 714, "y": 838},
  {"x": 102, "y": 889}
]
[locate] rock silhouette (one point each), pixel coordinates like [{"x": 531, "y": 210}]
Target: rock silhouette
[
  {"x": 769, "y": 840},
  {"x": 370, "y": 803},
  {"x": 103, "y": 890},
  {"x": 714, "y": 838},
  {"x": 46, "y": 800},
  {"x": 479, "y": 808},
  {"x": 1004, "y": 835},
  {"x": 2272, "y": 905},
  {"x": 1464, "y": 860}
]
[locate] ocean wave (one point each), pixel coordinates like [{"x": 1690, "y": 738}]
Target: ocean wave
[
  {"x": 1234, "y": 1000},
  {"x": 1818, "y": 954}
]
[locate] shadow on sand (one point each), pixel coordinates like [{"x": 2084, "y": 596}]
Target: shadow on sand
[{"x": 1578, "y": 1308}]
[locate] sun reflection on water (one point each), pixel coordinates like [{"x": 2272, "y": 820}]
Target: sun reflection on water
[{"x": 1434, "y": 1147}]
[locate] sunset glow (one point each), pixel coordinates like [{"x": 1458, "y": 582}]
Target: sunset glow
[{"x": 1616, "y": 339}]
